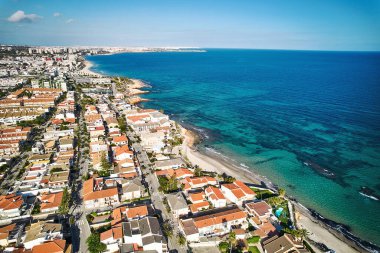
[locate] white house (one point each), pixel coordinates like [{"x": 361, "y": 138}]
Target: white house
[
  {"x": 97, "y": 195},
  {"x": 215, "y": 222},
  {"x": 238, "y": 192},
  {"x": 215, "y": 196},
  {"x": 122, "y": 152},
  {"x": 10, "y": 205},
  {"x": 132, "y": 190}
]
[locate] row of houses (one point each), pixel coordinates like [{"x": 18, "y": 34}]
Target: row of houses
[
  {"x": 27, "y": 104},
  {"x": 28, "y": 209},
  {"x": 46, "y": 174},
  {"x": 11, "y": 138}
]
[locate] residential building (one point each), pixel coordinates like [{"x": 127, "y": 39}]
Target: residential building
[
  {"x": 177, "y": 204},
  {"x": 198, "y": 182},
  {"x": 145, "y": 233},
  {"x": 50, "y": 202},
  {"x": 214, "y": 222},
  {"x": 96, "y": 194},
  {"x": 132, "y": 189},
  {"x": 40, "y": 232},
  {"x": 11, "y": 205},
  {"x": 215, "y": 196},
  {"x": 238, "y": 192},
  {"x": 260, "y": 209},
  {"x": 174, "y": 163},
  {"x": 283, "y": 244}
]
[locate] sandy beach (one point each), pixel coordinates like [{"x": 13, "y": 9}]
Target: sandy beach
[
  {"x": 86, "y": 70},
  {"x": 318, "y": 233}
]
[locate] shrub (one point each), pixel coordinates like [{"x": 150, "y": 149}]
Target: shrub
[
  {"x": 253, "y": 249},
  {"x": 253, "y": 239}
]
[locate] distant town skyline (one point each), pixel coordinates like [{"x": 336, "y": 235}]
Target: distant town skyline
[{"x": 274, "y": 24}]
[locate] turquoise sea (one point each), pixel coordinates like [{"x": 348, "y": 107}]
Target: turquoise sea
[{"x": 308, "y": 120}]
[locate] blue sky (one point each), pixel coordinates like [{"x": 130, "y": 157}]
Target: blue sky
[{"x": 262, "y": 24}]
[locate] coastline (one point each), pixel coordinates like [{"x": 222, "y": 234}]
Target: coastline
[
  {"x": 320, "y": 232},
  {"x": 87, "y": 70},
  {"x": 326, "y": 233}
]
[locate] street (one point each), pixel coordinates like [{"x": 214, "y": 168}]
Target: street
[{"x": 156, "y": 196}]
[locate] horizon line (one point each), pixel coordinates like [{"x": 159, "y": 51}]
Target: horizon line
[{"x": 194, "y": 47}]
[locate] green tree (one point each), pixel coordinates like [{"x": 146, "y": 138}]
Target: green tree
[
  {"x": 173, "y": 186},
  {"x": 64, "y": 207},
  {"x": 181, "y": 239},
  {"x": 274, "y": 201},
  {"x": 122, "y": 124},
  {"x": 106, "y": 166},
  {"x": 167, "y": 229},
  {"x": 229, "y": 179},
  {"x": 281, "y": 192},
  {"x": 94, "y": 244},
  {"x": 297, "y": 233},
  {"x": 302, "y": 233},
  {"x": 168, "y": 184},
  {"x": 224, "y": 247},
  {"x": 232, "y": 239},
  {"x": 36, "y": 208},
  {"x": 197, "y": 171},
  {"x": 72, "y": 220}
]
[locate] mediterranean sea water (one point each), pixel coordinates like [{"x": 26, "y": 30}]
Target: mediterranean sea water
[{"x": 308, "y": 120}]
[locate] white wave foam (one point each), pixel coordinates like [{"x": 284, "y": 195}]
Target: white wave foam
[{"x": 244, "y": 165}]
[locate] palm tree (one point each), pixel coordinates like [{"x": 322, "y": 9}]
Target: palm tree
[
  {"x": 167, "y": 229},
  {"x": 302, "y": 233},
  {"x": 172, "y": 183},
  {"x": 232, "y": 239},
  {"x": 197, "y": 171},
  {"x": 181, "y": 239}
]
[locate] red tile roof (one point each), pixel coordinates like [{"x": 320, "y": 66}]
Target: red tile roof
[
  {"x": 56, "y": 246},
  {"x": 121, "y": 138},
  {"x": 51, "y": 200},
  {"x": 219, "y": 218},
  {"x": 10, "y": 202}
]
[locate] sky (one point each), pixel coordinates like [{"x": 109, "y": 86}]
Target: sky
[{"x": 348, "y": 25}]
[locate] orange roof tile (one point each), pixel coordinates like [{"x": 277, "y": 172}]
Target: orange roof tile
[
  {"x": 138, "y": 211},
  {"x": 90, "y": 194},
  {"x": 212, "y": 190},
  {"x": 219, "y": 218},
  {"x": 117, "y": 213},
  {"x": 244, "y": 187},
  {"x": 128, "y": 175},
  {"x": 115, "y": 233},
  {"x": 168, "y": 172},
  {"x": 199, "y": 206},
  {"x": 56, "y": 246},
  {"x": 121, "y": 138},
  {"x": 195, "y": 197},
  {"x": 182, "y": 172},
  {"x": 122, "y": 149},
  {"x": 51, "y": 200},
  {"x": 10, "y": 202}
]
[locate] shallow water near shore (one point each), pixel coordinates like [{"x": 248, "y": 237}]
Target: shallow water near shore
[{"x": 309, "y": 121}]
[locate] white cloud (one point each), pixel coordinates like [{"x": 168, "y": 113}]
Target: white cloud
[
  {"x": 21, "y": 17},
  {"x": 56, "y": 14},
  {"x": 70, "y": 20}
]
